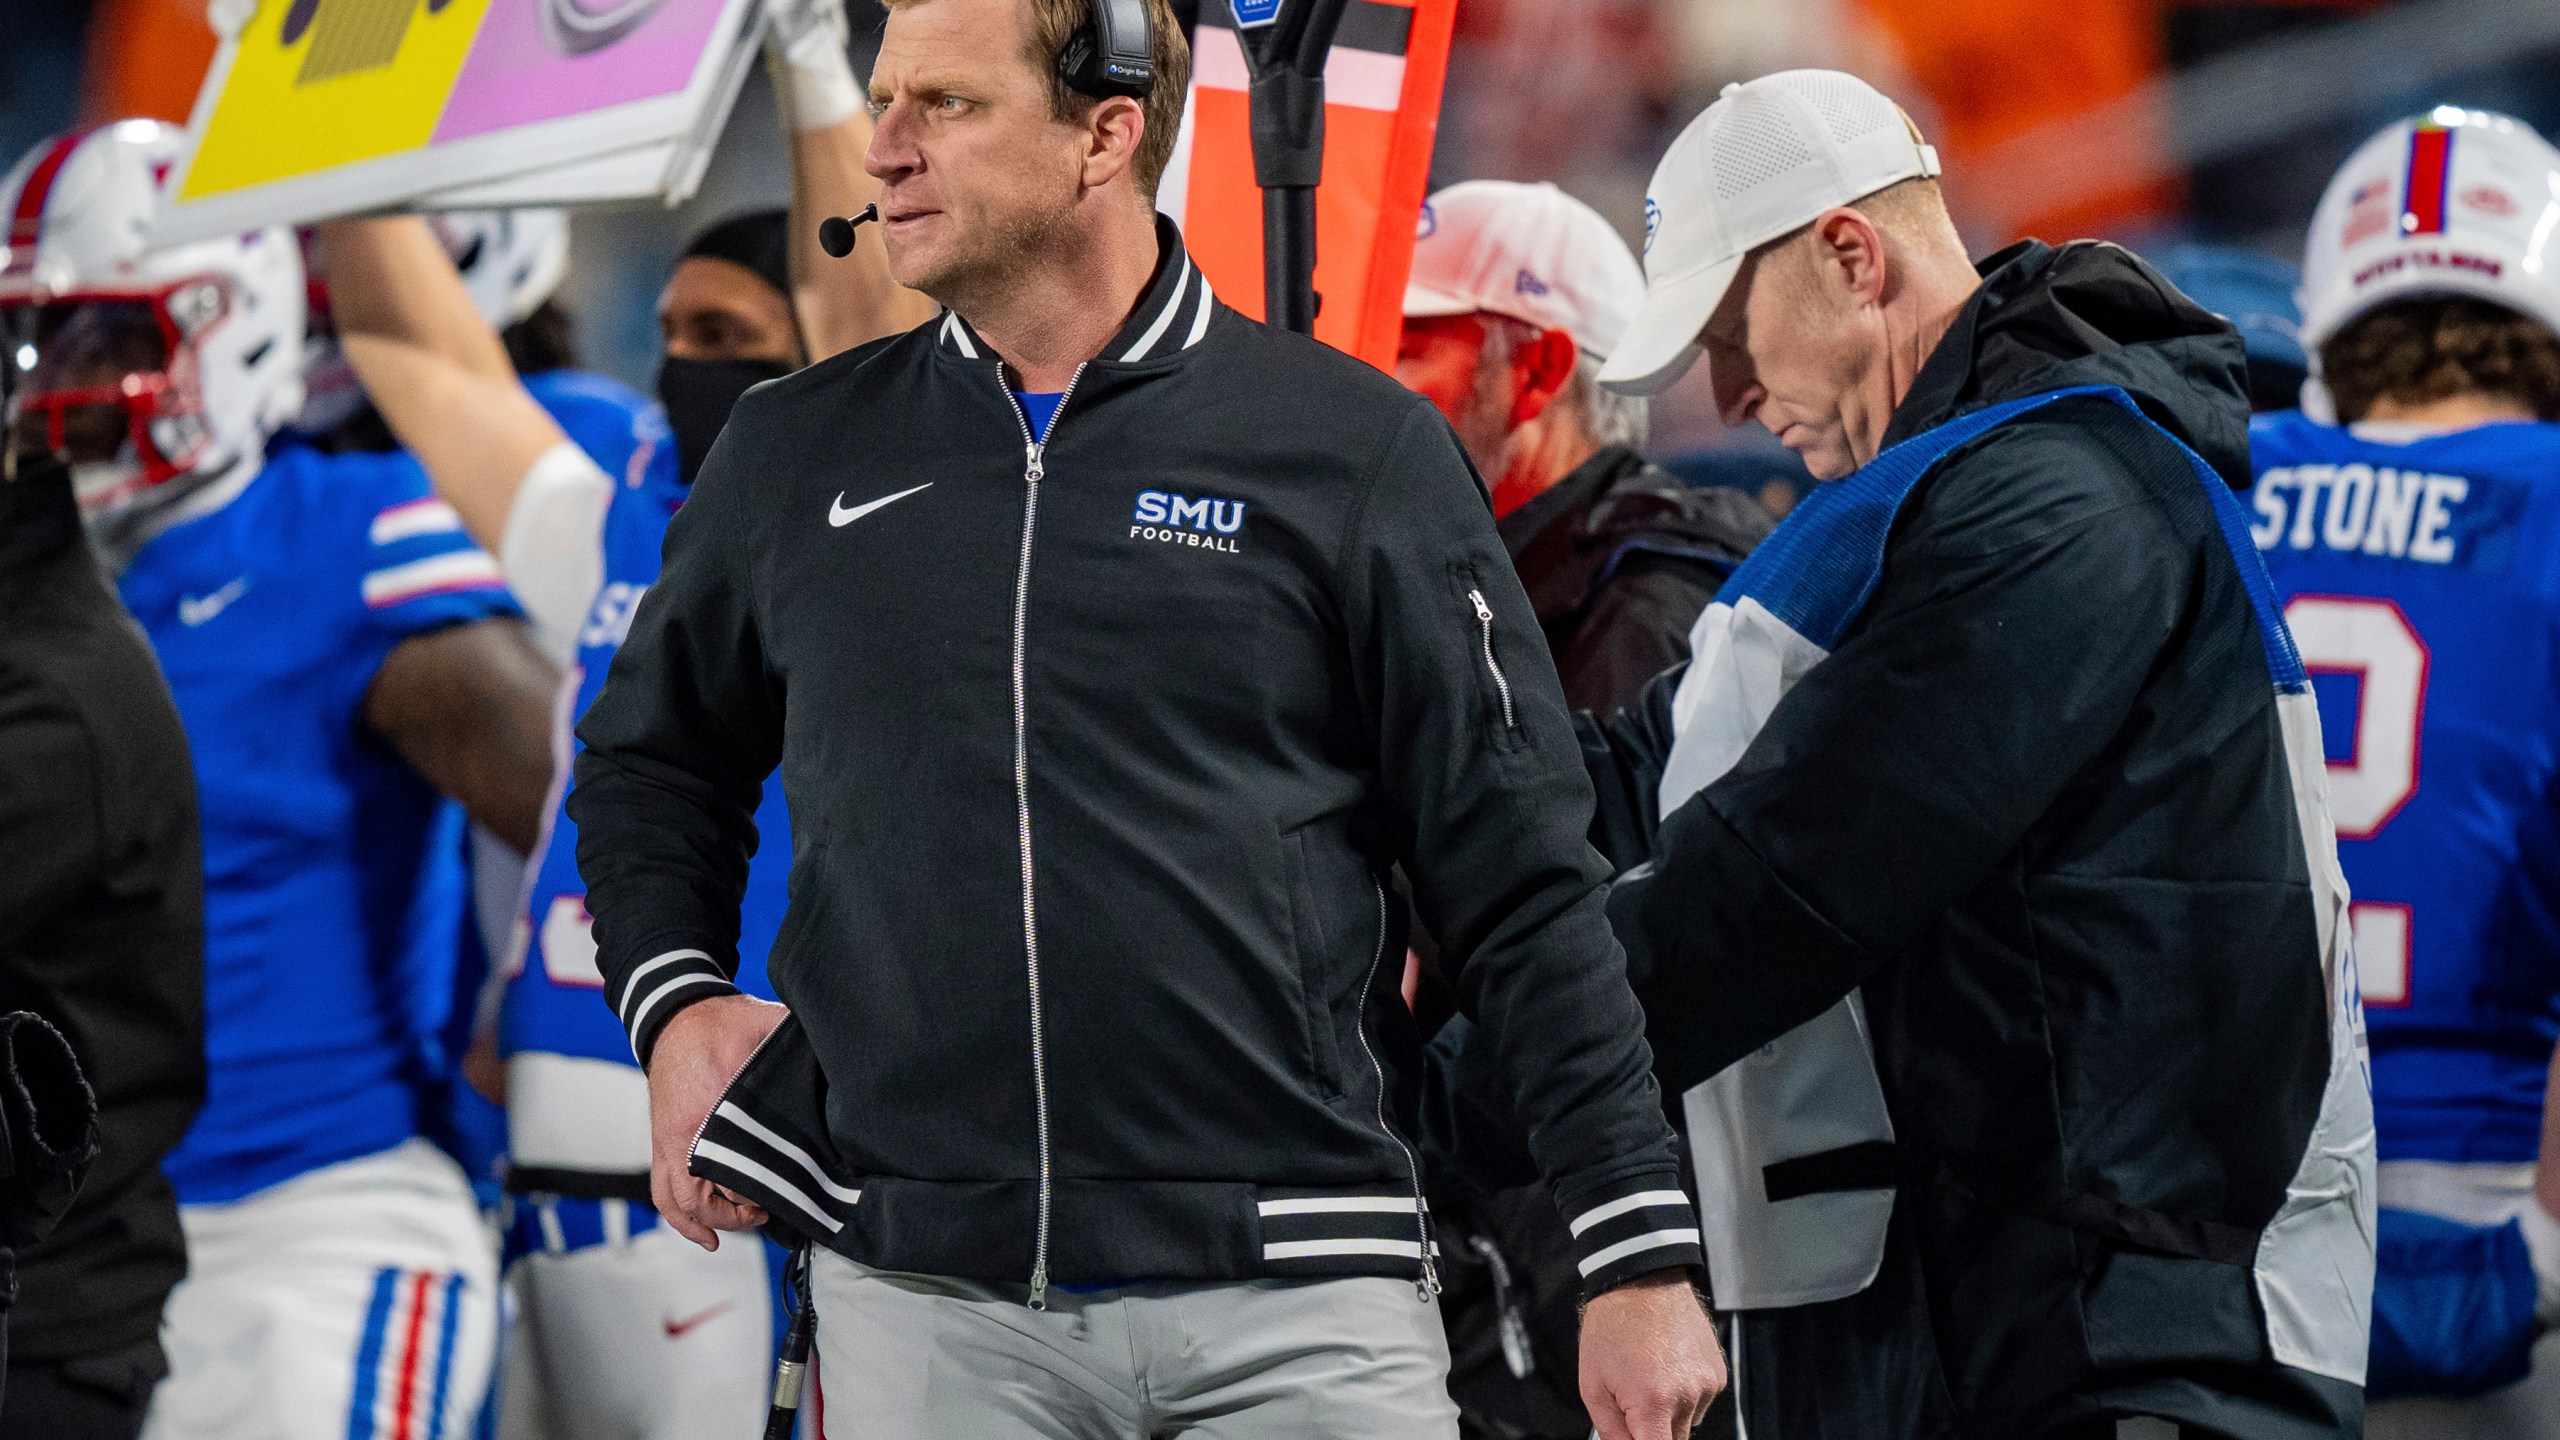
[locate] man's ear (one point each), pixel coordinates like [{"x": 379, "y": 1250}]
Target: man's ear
[
  {"x": 1112, "y": 133},
  {"x": 1850, "y": 251},
  {"x": 1539, "y": 371}
]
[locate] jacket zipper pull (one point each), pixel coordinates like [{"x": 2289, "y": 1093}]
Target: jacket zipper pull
[
  {"x": 1031, "y": 467},
  {"x": 1040, "y": 1286},
  {"x": 1484, "y": 618}
]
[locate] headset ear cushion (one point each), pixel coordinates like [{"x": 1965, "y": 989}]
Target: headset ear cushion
[{"x": 1075, "y": 58}]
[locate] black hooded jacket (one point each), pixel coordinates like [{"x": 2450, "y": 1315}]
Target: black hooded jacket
[
  {"x": 1618, "y": 558},
  {"x": 101, "y": 917},
  {"x": 2036, "y": 807}
]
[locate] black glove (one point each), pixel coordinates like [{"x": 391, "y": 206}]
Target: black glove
[{"x": 48, "y": 1128}]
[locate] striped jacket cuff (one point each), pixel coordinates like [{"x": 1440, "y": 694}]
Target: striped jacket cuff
[
  {"x": 660, "y": 986},
  {"x": 1632, "y": 1228}
]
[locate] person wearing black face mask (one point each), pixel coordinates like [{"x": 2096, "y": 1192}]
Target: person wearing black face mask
[{"x": 727, "y": 318}]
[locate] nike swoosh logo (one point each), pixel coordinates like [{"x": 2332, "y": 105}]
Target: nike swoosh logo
[
  {"x": 194, "y": 610},
  {"x": 839, "y": 516},
  {"x": 678, "y": 1329}
]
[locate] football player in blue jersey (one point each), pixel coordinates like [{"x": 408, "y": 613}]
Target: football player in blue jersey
[
  {"x": 344, "y": 659},
  {"x": 2410, "y": 516},
  {"x": 624, "y": 1330},
  {"x": 511, "y": 262}
]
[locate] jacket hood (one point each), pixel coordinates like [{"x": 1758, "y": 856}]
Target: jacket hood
[{"x": 2089, "y": 313}]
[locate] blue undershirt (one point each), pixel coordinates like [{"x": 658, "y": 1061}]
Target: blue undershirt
[{"x": 1039, "y": 409}]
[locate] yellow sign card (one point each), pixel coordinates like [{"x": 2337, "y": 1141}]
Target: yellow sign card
[{"x": 320, "y": 83}]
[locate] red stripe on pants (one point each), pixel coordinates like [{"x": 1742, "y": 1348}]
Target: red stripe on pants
[{"x": 406, "y": 1405}]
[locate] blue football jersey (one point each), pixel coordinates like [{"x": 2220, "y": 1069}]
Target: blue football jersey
[
  {"x": 555, "y": 997},
  {"x": 2421, "y": 577},
  {"x": 333, "y": 885},
  {"x": 625, "y": 434}
]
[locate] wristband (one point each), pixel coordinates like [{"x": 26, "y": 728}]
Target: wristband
[{"x": 814, "y": 79}]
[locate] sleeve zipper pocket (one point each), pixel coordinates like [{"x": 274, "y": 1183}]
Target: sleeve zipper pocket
[{"x": 1484, "y": 620}]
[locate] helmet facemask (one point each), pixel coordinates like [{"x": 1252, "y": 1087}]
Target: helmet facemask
[{"x": 110, "y": 385}]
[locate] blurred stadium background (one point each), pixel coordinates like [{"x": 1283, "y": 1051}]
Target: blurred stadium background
[{"x": 2150, "y": 122}]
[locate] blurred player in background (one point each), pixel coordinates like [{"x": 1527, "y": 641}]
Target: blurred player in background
[
  {"x": 624, "y": 1330},
  {"x": 2415, "y": 540},
  {"x": 340, "y": 653},
  {"x": 511, "y": 263},
  {"x": 1518, "y": 293}
]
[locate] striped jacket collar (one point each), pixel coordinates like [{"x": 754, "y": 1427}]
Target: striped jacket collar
[{"x": 1171, "y": 315}]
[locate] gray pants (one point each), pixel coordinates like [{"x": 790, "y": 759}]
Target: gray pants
[{"x": 916, "y": 1357}]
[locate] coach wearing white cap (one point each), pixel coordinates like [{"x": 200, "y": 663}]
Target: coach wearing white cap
[
  {"x": 1995, "y": 916},
  {"x": 1518, "y": 294}
]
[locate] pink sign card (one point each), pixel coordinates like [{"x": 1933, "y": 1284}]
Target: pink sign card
[{"x": 545, "y": 59}]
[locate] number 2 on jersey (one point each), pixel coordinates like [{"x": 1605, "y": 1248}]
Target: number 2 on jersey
[{"x": 2373, "y": 641}]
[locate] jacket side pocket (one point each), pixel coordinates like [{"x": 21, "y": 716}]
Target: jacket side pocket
[{"x": 1310, "y": 953}]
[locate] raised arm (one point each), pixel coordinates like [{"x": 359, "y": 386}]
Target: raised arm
[
  {"x": 440, "y": 377},
  {"x": 844, "y": 302}
]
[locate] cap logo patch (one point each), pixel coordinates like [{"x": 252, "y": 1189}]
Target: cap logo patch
[
  {"x": 2489, "y": 200},
  {"x": 1652, "y": 222},
  {"x": 2368, "y": 211},
  {"x": 1525, "y": 283},
  {"x": 1429, "y": 224}
]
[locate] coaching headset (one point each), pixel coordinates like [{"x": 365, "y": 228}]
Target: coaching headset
[{"x": 1114, "y": 53}]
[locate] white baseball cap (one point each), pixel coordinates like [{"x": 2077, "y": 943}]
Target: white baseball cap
[
  {"x": 1769, "y": 155},
  {"x": 1531, "y": 252}
]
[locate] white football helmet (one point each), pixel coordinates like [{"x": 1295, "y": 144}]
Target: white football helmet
[
  {"x": 511, "y": 261},
  {"x": 2451, "y": 202},
  {"x": 139, "y": 365}
]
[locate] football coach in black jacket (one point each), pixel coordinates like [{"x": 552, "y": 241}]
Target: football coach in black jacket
[
  {"x": 1111, "y": 648},
  {"x": 2002, "y": 921}
]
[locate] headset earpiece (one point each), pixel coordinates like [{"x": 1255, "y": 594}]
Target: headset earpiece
[{"x": 1113, "y": 53}]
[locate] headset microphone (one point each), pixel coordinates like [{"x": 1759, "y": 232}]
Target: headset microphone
[{"x": 835, "y": 233}]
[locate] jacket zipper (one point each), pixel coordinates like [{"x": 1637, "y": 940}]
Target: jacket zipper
[
  {"x": 1032, "y": 472},
  {"x": 1484, "y": 620},
  {"x": 1427, "y": 1284},
  {"x": 731, "y": 1088}
]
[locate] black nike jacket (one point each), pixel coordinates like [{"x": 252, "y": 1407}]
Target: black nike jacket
[{"x": 1097, "y": 751}]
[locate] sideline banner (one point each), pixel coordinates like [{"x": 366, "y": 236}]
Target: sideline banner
[
  {"x": 1381, "y": 114},
  {"x": 316, "y": 108}
]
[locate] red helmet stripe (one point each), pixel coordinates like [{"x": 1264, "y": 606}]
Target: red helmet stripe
[
  {"x": 27, "y": 223},
  {"x": 2430, "y": 173}
]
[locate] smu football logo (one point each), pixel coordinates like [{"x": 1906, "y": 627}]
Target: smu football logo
[{"x": 1204, "y": 522}]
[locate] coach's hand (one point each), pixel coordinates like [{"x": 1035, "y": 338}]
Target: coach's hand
[
  {"x": 1650, "y": 1362},
  {"x": 698, "y": 1053}
]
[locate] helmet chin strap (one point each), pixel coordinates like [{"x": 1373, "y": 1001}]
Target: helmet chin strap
[{"x": 120, "y": 534}]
